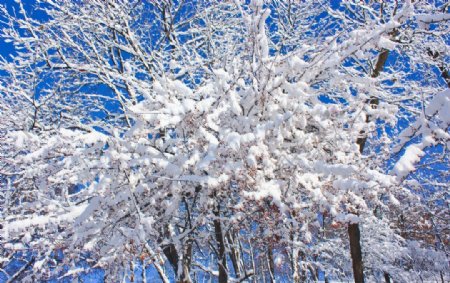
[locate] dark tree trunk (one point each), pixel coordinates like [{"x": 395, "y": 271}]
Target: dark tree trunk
[
  {"x": 173, "y": 257},
  {"x": 171, "y": 254},
  {"x": 353, "y": 229},
  {"x": 355, "y": 250},
  {"x": 222, "y": 260}
]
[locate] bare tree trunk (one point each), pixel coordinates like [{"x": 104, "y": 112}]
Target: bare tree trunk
[
  {"x": 303, "y": 274},
  {"x": 314, "y": 273},
  {"x": 172, "y": 255},
  {"x": 387, "y": 278},
  {"x": 296, "y": 268},
  {"x": 221, "y": 257},
  {"x": 270, "y": 263},
  {"x": 186, "y": 264},
  {"x": 355, "y": 250},
  {"x": 353, "y": 229},
  {"x": 235, "y": 254}
]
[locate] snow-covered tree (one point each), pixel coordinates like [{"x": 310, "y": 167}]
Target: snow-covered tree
[{"x": 224, "y": 140}]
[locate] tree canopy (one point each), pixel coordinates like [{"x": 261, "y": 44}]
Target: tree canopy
[{"x": 232, "y": 141}]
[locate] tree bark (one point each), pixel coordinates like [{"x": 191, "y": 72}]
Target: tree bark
[
  {"x": 173, "y": 257},
  {"x": 222, "y": 261},
  {"x": 270, "y": 262},
  {"x": 171, "y": 254},
  {"x": 187, "y": 259},
  {"x": 355, "y": 250},
  {"x": 353, "y": 229},
  {"x": 234, "y": 254}
]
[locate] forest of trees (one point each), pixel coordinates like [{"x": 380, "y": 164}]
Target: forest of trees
[{"x": 224, "y": 141}]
